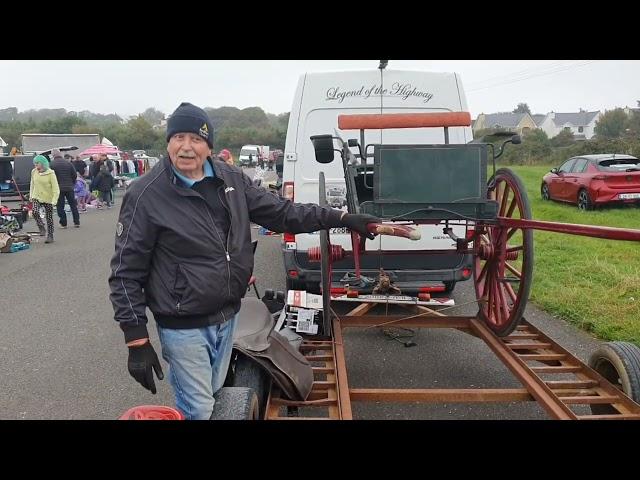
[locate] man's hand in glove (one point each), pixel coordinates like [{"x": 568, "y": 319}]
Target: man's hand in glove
[
  {"x": 142, "y": 358},
  {"x": 358, "y": 222}
]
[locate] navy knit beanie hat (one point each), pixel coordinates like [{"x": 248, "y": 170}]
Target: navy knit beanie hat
[{"x": 192, "y": 119}]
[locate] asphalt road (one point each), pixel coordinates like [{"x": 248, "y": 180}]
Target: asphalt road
[{"x": 62, "y": 356}]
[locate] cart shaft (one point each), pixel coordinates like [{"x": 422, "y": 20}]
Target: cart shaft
[{"x": 611, "y": 233}]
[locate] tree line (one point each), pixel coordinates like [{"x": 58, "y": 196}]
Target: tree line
[
  {"x": 615, "y": 132},
  {"x": 233, "y": 127}
]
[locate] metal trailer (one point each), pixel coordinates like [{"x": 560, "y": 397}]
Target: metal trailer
[{"x": 499, "y": 234}]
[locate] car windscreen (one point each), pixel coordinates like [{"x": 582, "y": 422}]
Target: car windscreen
[
  {"x": 618, "y": 165},
  {"x": 248, "y": 151}
]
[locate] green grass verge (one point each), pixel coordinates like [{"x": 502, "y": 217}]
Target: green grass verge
[{"x": 592, "y": 283}]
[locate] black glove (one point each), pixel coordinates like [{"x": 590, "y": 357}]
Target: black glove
[
  {"x": 141, "y": 360},
  {"x": 358, "y": 222}
]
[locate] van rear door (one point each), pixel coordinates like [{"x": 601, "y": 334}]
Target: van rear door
[{"x": 328, "y": 95}]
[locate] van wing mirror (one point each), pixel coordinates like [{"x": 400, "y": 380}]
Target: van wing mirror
[{"x": 323, "y": 146}]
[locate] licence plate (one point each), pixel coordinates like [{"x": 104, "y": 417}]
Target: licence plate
[
  {"x": 334, "y": 230},
  {"x": 628, "y": 196}
]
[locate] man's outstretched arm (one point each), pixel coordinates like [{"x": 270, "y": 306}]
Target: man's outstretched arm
[{"x": 279, "y": 214}]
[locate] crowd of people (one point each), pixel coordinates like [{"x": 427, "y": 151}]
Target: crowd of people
[{"x": 67, "y": 180}]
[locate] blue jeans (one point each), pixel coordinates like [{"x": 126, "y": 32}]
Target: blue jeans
[{"x": 198, "y": 362}]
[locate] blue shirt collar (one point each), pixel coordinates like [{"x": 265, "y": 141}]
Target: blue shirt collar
[{"x": 189, "y": 182}]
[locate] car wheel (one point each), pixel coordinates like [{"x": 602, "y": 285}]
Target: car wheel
[
  {"x": 544, "y": 192},
  {"x": 248, "y": 373},
  {"x": 618, "y": 362},
  {"x": 584, "y": 202},
  {"x": 235, "y": 403}
]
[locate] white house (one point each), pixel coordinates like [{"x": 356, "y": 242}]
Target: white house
[
  {"x": 581, "y": 124},
  {"x": 519, "y": 122},
  {"x": 631, "y": 111}
]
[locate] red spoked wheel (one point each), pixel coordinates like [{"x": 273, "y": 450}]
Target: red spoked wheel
[{"x": 504, "y": 257}]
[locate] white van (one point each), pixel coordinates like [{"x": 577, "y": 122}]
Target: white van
[
  {"x": 319, "y": 99},
  {"x": 248, "y": 155}
]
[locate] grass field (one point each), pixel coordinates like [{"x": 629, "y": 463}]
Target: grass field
[{"x": 590, "y": 282}]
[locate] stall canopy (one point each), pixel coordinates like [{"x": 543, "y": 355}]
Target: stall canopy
[{"x": 97, "y": 149}]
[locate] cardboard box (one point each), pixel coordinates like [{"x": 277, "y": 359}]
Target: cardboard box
[{"x": 300, "y": 298}]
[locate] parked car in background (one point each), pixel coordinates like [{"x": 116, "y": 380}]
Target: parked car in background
[
  {"x": 18, "y": 168},
  {"x": 592, "y": 180},
  {"x": 248, "y": 155},
  {"x": 337, "y": 197}
]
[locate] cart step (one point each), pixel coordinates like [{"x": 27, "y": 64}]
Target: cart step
[
  {"x": 572, "y": 383},
  {"x": 622, "y": 416},
  {"x": 557, "y": 395},
  {"x": 589, "y": 399},
  {"x": 323, "y": 398},
  {"x": 555, "y": 369},
  {"x": 543, "y": 356},
  {"x": 325, "y": 402},
  {"x": 305, "y": 418},
  {"x": 318, "y": 358},
  {"x": 528, "y": 346},
  {"x": 521, "y": 336},
  {"x": 322, "y": 369}
]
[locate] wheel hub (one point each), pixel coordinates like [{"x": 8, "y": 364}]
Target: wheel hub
[{"x": 486, "y": 251}]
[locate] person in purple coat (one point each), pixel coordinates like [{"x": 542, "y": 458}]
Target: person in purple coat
[{"x": 81, "y": 193}]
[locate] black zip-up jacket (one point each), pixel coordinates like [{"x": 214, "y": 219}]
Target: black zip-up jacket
[
  {"x": 103, "y": 181},
  {"x": 65, "y": 173},
  {"x": 170, "y": 256}
]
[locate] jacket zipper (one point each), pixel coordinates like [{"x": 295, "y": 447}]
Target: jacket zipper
[
  {"x": 178, "y": 303},
  {"x": 222, "y": 202},
  {"x": 225, "y": 248}
]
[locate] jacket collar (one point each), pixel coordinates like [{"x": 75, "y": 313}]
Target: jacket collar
[
  {"x": 208, "y": 172},
  {"x": 180, "y": 187}
]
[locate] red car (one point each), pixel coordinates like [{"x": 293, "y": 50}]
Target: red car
[{"x": 592, "y": 180}]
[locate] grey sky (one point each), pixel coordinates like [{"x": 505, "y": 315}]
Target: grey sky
[{"x": 128, "y": 87}]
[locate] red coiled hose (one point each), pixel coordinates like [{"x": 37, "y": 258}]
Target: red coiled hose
[
  {"x": 337, "y": 253},
  {"x": 152, "y": 412}
]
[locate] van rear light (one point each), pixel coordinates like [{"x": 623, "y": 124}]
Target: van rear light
[
  {"x": 287, "y": 190},
  {"x": 466, "y": 273},
  {"x": 293, "y": 273},
  {"x": 434, "y": 288}
]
